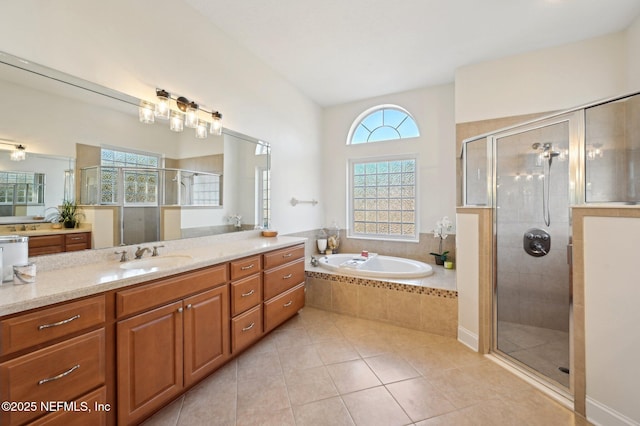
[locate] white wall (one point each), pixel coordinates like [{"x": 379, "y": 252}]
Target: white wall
[
  {"x": 612, "y": 316},
  {"x": 545, "y": 80},
  {"x": 633, "y": 55},
  {"x": 433, "y": 111},
  {"x": 135, "y": 47}
]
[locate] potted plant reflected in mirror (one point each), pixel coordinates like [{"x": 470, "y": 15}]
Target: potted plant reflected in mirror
[
  {"x": 68, "y": 214},
  {"x": 441, "y": 232}
]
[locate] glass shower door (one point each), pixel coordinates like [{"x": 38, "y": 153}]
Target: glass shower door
[{"x": 532, "y": 305}]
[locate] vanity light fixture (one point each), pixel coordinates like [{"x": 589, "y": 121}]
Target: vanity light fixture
[
  {"x": 216, "y": 124},
  {"x": 162, "y": 107},
  {"x": 188, "y": 114},
  {"x": 19, "y": 153}
]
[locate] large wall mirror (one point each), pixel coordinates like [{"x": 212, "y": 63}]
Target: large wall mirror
[{"x": 140, "y": 182}]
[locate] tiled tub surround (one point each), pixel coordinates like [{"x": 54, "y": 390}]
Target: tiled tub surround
[
  {"x": 66, "y": 276},
  {"x": 429, "y": 304}
]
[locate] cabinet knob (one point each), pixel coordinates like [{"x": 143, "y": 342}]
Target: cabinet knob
[
  {"x": 189, "y": 306},
  {"x": 180, "y": 310}
]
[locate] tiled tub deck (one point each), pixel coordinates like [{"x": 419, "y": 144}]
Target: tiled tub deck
[{"x": 429, "y": 304}]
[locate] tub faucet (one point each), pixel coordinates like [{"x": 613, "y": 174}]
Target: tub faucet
[{"x": 141, "y": 251}]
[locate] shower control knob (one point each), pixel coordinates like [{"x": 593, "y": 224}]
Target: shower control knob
[{"x": 536, "y": 242}]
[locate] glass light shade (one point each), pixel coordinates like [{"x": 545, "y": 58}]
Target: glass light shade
[
  {"x": 146, "y": 112},
  {"x": 216, "y": 124},
  {"x": 19, "y": 153},
  {"x": 162, "y": 107},
  {"x": 176, "y": 122},
  {"x": 191, "y": 118},
  {"x": 201, "y": 130}
]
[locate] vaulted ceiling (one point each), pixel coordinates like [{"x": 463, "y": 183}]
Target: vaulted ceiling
[{"x": 336, "y": 51}]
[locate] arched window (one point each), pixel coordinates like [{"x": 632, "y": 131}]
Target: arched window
[{"x": 383, "y": 123}]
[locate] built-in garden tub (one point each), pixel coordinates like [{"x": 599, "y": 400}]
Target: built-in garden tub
[{"x": 400, "y": 291}]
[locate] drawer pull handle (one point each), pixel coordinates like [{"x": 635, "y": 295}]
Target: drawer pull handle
[
  {"x": 287, "y": 255},
  {"x": 55, "y": 324},
  {"x": 286, "y": 277},
  {"x": 286, "y": 305},
  {"x": 59, "y": 376},
  {"x": 244, "y": 268},
  {"x": 249, "y": 327},
  {"x": 248, "y": 294}
]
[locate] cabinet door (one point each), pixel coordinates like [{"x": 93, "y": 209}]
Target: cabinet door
[
  {"x": 149, "y": 361},
  {"x": 206, "y": 333}
]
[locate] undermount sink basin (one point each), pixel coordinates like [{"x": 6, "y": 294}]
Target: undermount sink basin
[{"x": 159, "y": 262}]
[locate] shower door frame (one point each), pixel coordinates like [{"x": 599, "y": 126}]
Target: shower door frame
[{"x": 575, "y": 120}]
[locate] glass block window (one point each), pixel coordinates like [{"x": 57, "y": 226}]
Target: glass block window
[
  {"x": 264, "y": 198},
  {"x": 382, "y": 124},
  {"x": 383, "y": 201},
  {"x": 140, "y": 186},
  {"x": 206, "y": 190}
]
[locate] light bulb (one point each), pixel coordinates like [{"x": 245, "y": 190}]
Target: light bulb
[
  {"x": 201, "y": 130},
  {"x": 146, "y": 112},
  {"x": 216, "y": 124},
  {"x": 162, "y": 107}
]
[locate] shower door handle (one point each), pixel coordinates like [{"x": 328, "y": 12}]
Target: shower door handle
[{"x": 570, "y": 254}]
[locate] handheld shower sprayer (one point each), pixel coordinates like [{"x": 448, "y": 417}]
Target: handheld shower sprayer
[{"x": 546, "y": 151}]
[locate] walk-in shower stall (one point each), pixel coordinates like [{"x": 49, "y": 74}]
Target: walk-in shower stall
[{"x": 531, "y": 175}]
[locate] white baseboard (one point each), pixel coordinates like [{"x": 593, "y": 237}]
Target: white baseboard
[
  {"x": 468, "y": 338},
  {"x": 601, "y": 415}
]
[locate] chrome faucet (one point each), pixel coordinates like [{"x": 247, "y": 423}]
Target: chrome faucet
[
  {"x": 155, "y": 250},
  {"x": 124, "y": 256},
  {"x": 141, "y": 251}
]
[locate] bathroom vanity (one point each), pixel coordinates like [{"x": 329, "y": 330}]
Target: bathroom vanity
[{"x": 111, "y": 345}]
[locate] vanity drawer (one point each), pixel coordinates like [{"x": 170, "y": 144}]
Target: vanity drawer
[
  {"x": 47, "y": 324},
  {"x": 77, "y": 241},
  {"x": 164, "y": 291},
  {"x": 245, "y": 267},
  {"x": 281, "y": 308},
  {"x": 283, "y": 278},
  {"x": 61, "y": 372},
  {"x": 245, "y": 294},
  {"x": 91, "y": 417},
  {"x": 246, "y": 329},
  {"x": 46, "y": 241},
  {"x": 76, "y": 238},
  {"x": 282, "y": 256}
]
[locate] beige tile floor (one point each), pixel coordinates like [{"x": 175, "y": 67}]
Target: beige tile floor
[
  {"x": 542, "y": 349},
  {"x": 321, "y": 368}
]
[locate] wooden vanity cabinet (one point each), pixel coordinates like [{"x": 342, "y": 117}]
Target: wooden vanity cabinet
[
  {"x": 162, "y": 350},
  {"x": 59, "y": 243},
  {"x": 246, "y": 302},
  {"x": 283, "y": 285},
  {"x": 54, "y": 354}
]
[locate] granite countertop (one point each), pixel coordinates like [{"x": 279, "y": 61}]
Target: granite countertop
[
  {"x": 69, "y": 276},
  {"x": 42, "y": 231}
]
